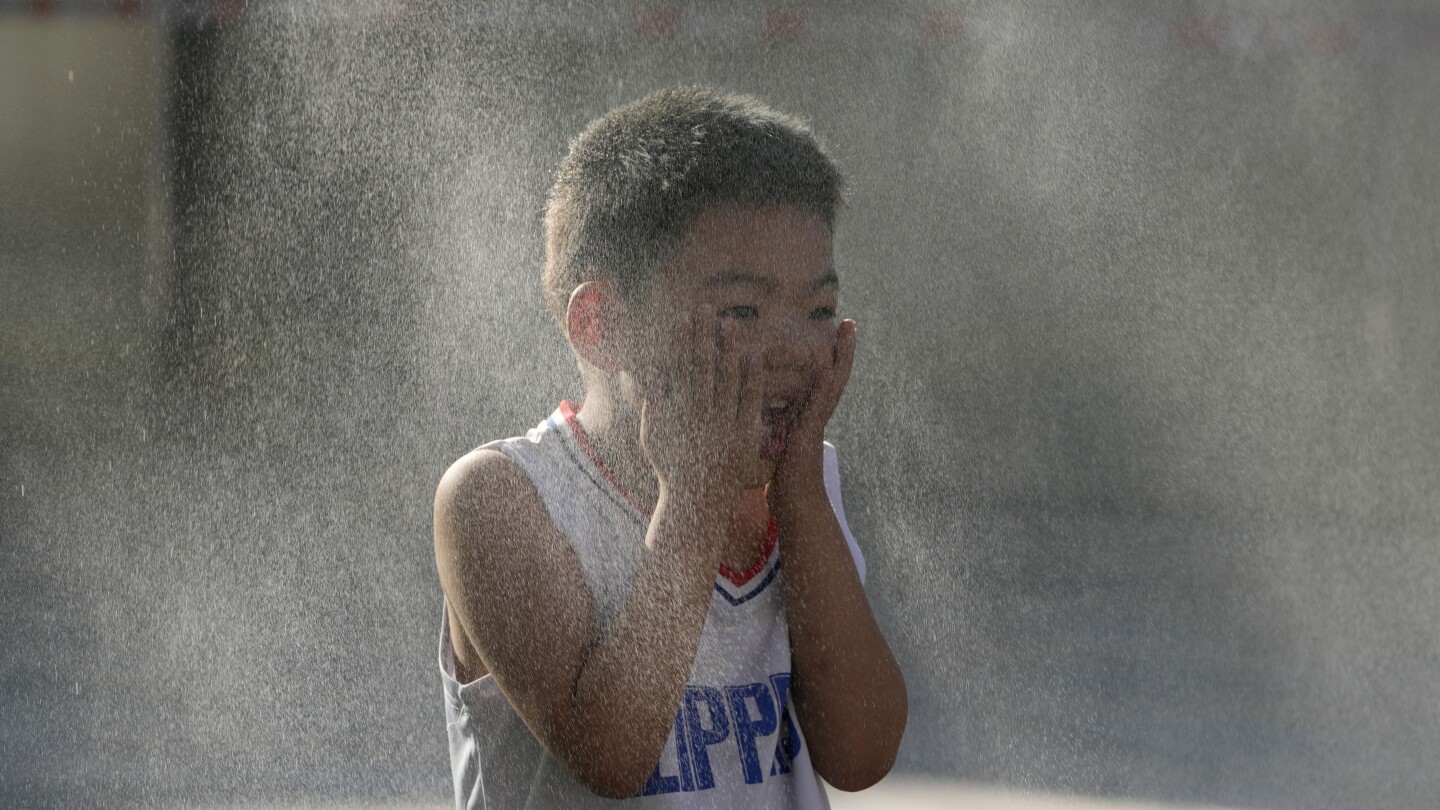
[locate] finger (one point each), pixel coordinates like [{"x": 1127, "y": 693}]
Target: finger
[
  {"x": 652, "y": 372},
  {"x": 752, "y": 393},
  {"x": 727, "y": 372},
  {"x": 705, "y": 348},
  {"x": 656, "y": 383},
  {"x": 831, "y": 379},
  {"x": 844, "y": 358},
  {"x": 702, "y": 357},
  {"x": 678, "y": 356}
]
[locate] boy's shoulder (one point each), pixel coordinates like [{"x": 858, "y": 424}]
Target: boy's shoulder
[
  {"x": 486, "y": 486},
  {"x": 485, "y": 464},
  {"x": 492, "y": 468},
  {"x": 507, "y": 573}
]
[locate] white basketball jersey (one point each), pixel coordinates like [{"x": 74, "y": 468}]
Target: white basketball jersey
[{"x": 735, "y": 741}]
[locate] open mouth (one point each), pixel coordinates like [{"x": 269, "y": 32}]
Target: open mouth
[{"x": 780, "y": 413}]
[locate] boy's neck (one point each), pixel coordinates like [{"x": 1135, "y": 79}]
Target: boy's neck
[{"x": 614, "y": 432}]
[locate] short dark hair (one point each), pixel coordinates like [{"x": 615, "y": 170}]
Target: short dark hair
[{"x": 635, "y": 179}]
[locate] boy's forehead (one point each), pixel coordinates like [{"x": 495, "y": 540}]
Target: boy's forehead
[{"x": 736, "y": 245}]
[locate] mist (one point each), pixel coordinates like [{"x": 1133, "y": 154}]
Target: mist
[{"x": 1141, "y": 444}]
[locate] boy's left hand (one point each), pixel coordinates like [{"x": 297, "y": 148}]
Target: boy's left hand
[{"x": 804, "y": 442}]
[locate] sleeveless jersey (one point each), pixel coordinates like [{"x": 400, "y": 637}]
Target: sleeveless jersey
[{"x": 735, "y": 741}]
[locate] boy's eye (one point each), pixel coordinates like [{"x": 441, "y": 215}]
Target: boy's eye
[
  {"x": 822, "y": 314},
  {"x": 742, "y": 313}
]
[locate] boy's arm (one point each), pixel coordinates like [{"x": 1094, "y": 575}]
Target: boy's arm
[
  {"x": 602, "y": 705},
  {"x": 847, "y": 688}
]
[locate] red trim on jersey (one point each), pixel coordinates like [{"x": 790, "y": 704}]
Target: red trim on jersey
[
  {"x": 569, "y": 412},
  {"x": 740, "y": 578}
]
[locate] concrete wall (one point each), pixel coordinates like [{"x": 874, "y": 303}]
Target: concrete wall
[
  {"x": 83, "y": 222},
  {"x": 1140, "y": 442}
]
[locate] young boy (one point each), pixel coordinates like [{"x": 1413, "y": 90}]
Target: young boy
[{"x": 590, "y": 650}]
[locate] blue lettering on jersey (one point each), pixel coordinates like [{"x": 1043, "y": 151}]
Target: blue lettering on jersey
[
  {"x": 704, "y": 734},
  {"x": 706, "y": 718},
  {"x": 747, "y": 728},
  {"x": 789, "y": 743},
  {"x": 684, "y": 780},
  {"x": 658, "y": 784},
  {"x": 682, "y": 754}
]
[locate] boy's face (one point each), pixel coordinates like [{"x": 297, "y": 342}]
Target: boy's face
[{"x": 771, "y": 270}]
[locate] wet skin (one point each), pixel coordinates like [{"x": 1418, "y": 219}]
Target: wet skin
[
  {"x": 707, "y": 396},
  {"x": 753, "y": 288}
]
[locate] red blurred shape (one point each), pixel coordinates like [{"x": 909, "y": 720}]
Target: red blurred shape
[
  {"x": 401, "y": 13},
  {"x": 1329, "y": 38},
  {"x": 229, "y": 12},
  {"x": 128, "y": 8},
  {"x": 1196, "y": 35},
  {"x": 940, "y": 26},
  {"x": 41, "y": 8},
  {"x": 786, "y": 25},
  {"x": 658, "y": 22}
]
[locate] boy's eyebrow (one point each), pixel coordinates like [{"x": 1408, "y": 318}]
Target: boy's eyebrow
[
  {"x": 830, "y": 279},
  {"x": 736, "y": 277}
]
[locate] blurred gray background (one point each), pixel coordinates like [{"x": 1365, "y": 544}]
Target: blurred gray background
[{"x": 1141, "y": 444}]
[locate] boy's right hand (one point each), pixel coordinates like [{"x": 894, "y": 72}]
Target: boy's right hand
[{"x": 701, "y": 425}]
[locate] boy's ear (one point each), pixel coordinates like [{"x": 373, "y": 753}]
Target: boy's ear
[{"x": 590, "y": 324}]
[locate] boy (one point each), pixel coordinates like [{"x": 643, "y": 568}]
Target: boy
[{"x": 589, "y": 648}]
